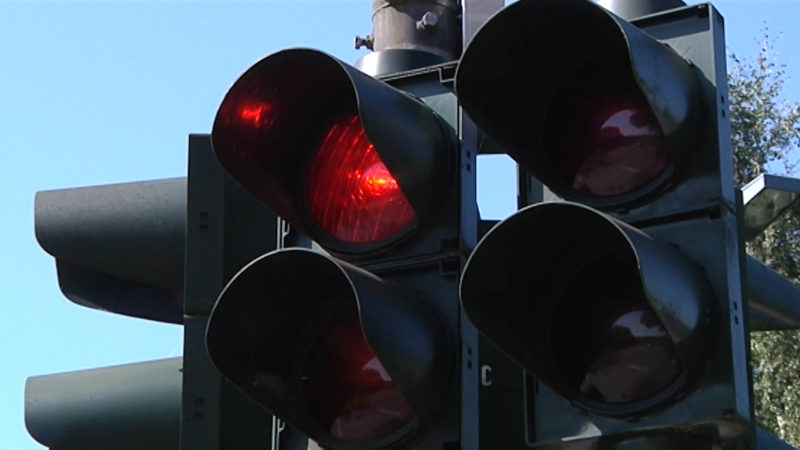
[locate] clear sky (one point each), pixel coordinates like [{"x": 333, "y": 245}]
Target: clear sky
[{"x": 97, "y": 92}]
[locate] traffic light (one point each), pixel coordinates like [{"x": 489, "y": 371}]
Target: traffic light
[
  {"x": 622, "y": 300},
  {"x": 143, "y": 222},
  {"x": 132, "y": 406},
  {"x": 354, "y": 344},
  {"x": 118, "y": 248},
  {"x": 159, "y": 250}
]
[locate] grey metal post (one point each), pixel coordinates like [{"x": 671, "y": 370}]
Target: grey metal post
[{"x": 408, "y": 35}]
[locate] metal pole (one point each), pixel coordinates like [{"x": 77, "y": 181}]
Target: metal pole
[{"x": 408, "y": 34}]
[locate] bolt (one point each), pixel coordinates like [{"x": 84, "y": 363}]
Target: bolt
[
  {"x": 364, "y": 42},
  {"x": 428, "y": 20}
]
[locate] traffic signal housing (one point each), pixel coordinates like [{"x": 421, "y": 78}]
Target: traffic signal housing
[
  {"x": 355, "y": 346},
  {"x": 602, "y": 113},
  {"x": 132, "y": 406},
  {"x": 118, "y": 247},
  {"x": 623, "y": 299},
  {"x": 609, "y": 318},
  {"x": 350, "y": 359},
  {"x": 347, "y": 159},
  {"x": 159, "y": 250}
]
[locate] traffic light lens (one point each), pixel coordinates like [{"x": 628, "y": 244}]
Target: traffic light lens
[
  {"x": 606, "y": 140},
  {"x": 608, "y": 343},
  {"x": 351, "y": 193},
  {"x": 348, "y": 391}
]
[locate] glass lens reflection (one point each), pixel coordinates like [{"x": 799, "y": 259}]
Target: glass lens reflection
[
  {"x": 606, "y": 341},
  {"x": 603, "y": 136},
  {"x": 347, "y": 388}
]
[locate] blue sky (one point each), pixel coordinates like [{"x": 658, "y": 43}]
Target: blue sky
[{"x": 99, "y": 92}]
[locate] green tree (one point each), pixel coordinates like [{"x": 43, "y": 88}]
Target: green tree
[{"x": 765, "y": 133}]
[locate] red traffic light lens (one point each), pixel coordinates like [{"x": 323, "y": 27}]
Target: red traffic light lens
[
  {"x": 608, "y": 343},
  {"x": 347, "y": 389},
  {"x": 350, "y": 192},
  {"x": 605, "y": 140}
]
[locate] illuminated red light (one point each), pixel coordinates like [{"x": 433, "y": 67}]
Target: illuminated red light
[
  {"x": 347, "y": 389},
  {"x": 350, "y": 192}
]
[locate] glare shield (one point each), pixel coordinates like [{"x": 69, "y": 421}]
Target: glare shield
[
  {"x": 119, "y": 247},
  {"x": 347, "y": 159},
  {"x": 597, "y": 109},
  {"x": 350, "y": 360},
  {"x": 608, "y": 318}
]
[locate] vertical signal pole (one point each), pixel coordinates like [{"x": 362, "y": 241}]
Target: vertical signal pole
[{"x": 410, "y": 35}]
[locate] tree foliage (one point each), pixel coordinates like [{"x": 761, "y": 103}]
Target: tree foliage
[{"x": 765, "y": 134}]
